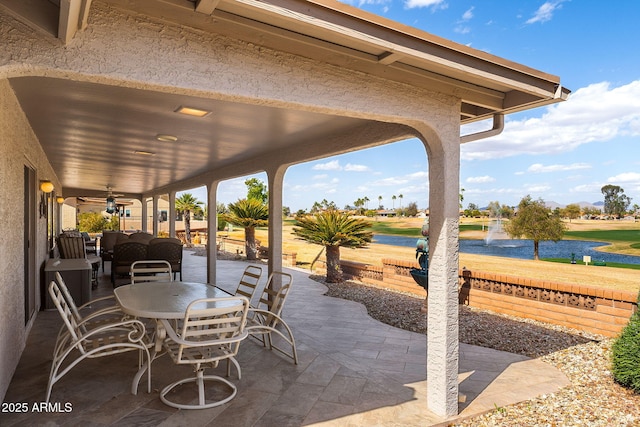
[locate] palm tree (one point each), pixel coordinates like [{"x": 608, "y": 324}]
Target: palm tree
[
  {"x": 248, "y": 213},
  {"x": 186, "y": 204},
  {"x": 400, "y": 197},
  {"x": 333, "y": 229},
  {"x": 393, "y": 201},
  {"x": 379, "y": 202}
]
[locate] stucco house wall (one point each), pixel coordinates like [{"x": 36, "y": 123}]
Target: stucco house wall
[{"x": 19, "y": 147}]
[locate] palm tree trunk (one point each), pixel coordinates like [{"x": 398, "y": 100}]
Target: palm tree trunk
[
  {"x": 250, "y": 243},
  {"x": 187, "y": 226},
  {"x": 334, "y": 272}
]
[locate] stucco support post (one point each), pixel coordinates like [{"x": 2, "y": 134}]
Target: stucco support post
[
  {"x": 212, "y": 230},
  {"x": 275, "y": 178},
  {"x": 143, "y": 214},
  {"x": 172, "y": 214},
  {"x": 442, "y": 302},
  {"x": 155, "y": 215}
]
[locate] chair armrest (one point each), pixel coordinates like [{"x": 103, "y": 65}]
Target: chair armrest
[
  {"x": 171, "y": 334},
  {"x": 93, "y": 301},
  {"x": 139, "y": 329},
  {"x": 263, "y": 314}
]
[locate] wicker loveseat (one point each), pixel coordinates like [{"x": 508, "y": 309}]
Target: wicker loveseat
[{"x": 129, "y": 250}]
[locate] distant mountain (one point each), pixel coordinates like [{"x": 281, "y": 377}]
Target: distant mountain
[
  {"x": 552, "y": 205},
  {"x": 600, "y": 203}
]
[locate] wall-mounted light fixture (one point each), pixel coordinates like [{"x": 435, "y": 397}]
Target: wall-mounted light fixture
[
  {"x": 60, "y": 200},
  {"x": 46, "y": 186}
]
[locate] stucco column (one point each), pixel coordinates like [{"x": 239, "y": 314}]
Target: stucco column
[
  {"x": 212, "y": 230},
  {"x": 442, "y": 303},
  {"x": 143, "y": 214},
  {"x": 154, "y": 228},
  {"x": 275, "y": 177},
  {"x": 172, "y": 214}
]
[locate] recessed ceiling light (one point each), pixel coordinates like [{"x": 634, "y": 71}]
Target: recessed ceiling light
[
  {"x": 144, "y": 153},
  {"x": 166, "y": 138},
  {"x": 191, "y": 111}
]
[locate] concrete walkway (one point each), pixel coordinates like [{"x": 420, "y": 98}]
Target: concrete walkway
[{"x": 353, "y": 371}]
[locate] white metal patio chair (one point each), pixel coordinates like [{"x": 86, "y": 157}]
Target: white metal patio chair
[
  {"x": 151, "y": 271},
  {"x": 248, "y": 284},
  {"x": 80, "y": 342},
  {"x": 95, "y": 312},
  {"x": 211, "y": 331},
  {"x": 266, "y": 319}
]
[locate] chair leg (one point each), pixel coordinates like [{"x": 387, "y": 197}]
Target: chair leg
[{"x": 200, "y": 381}]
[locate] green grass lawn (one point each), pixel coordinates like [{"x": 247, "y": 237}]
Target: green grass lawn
[
  {"x": 607, "y": 236},
  {"x": 579, "y": 262},
  {"x": 386, "y": 228}
]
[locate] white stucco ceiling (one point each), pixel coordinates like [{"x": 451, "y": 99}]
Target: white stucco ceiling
[{"x": 90, "y": 133}]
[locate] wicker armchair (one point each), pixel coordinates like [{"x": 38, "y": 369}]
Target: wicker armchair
[
  {"x": 167, "y": 249},
  {"x": 125, "y": 254}
]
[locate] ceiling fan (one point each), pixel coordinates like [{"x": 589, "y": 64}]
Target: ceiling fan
[{"x": 111, "y": 200}]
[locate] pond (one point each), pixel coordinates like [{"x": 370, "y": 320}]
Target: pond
[{"x": 523, "y": 249}]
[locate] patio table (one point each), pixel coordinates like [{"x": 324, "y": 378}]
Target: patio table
[{"x": 162, "y": 300}]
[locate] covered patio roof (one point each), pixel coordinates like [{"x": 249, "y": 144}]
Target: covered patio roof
[
  {"x": 94, "y": 91},
  {"x": 132, "y": 139}
]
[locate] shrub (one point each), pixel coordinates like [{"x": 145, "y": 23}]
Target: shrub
[
  {"x": 626, "y": 355},
  {"x": 221, "y": 223},
  {"x": 92, "y": 222}
]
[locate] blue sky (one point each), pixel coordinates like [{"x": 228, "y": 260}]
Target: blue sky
[{"x": 564, "y": 153}]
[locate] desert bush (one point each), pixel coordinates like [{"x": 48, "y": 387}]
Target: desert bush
[{"x": 626, "y": 355}]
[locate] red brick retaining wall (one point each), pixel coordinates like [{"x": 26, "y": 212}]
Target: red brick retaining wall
[{"x": 592, "y": 309}]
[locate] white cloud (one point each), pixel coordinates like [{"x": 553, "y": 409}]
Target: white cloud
[
  {"x": 480, "y": 179},
  {"x": 468, "y": 14},
  {"x": 540, "y": 168},
  {"x": 596, "y": 113},
  {"x": 386, "y": 182},
  {"x": 333, "y": 165},
  {"x": 545, "y": 12},
  {"x": 419, "y": 175},
  {"x": 356, "y": 168},
  {"x": 538, "y": 188},
  {"x": 591, "y": 188},
  {"x": 435, "y": 4},
  {"x": 631, "y": 177},
  {"x": 321, "y": 176}
]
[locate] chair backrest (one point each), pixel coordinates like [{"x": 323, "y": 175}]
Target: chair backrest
[
  {"x": 213, "y": 322},
  {"x": 62, "y": 288},
  {"x": 141, "y": 237},
  {"x": 151, "y": 271},
  {"x": 165, "y": 239},
  {"x": 61, "y": 302},
  {"x": 108, "y": 240},
  {"x": 71, "y": 233},
  {"x": 166, "y": 249},
  {"x": 275, "y": 293},
  {"x": 71, "y": 247},
  {"x": 249, "y": 282},
  {"x": 129, "y": 252}
]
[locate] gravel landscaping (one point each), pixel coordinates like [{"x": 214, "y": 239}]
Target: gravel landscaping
[{"x": 592, "y": 399}]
